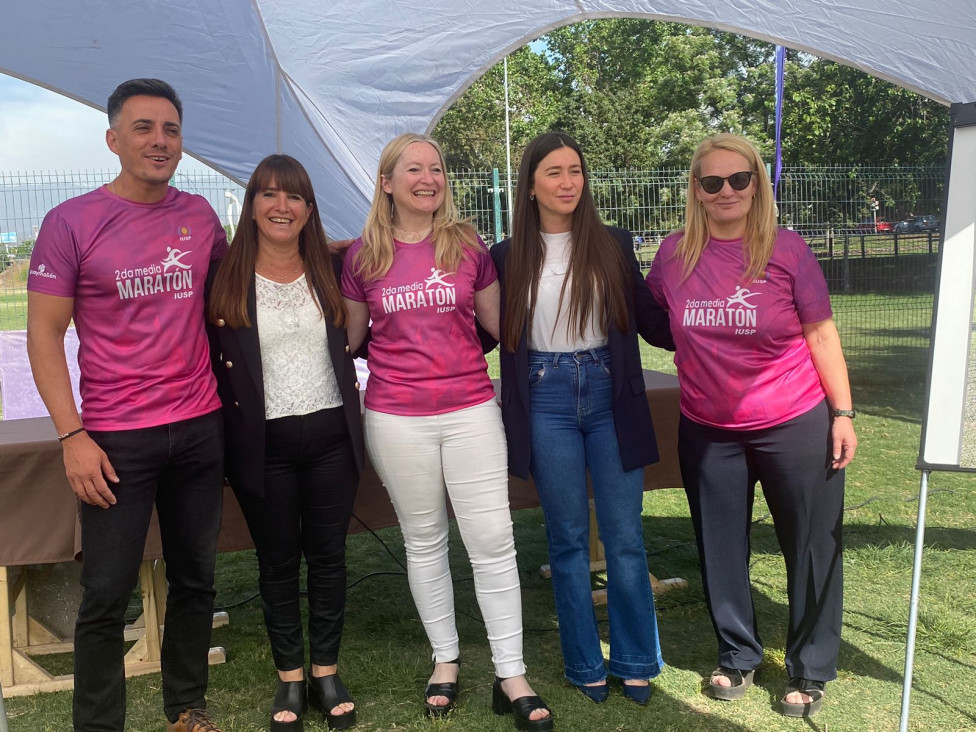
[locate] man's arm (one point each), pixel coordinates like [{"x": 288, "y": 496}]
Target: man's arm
[{"x": 85, "y": 464}]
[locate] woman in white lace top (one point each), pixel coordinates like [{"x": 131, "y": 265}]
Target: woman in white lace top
[{"x": 292, "y": 424}]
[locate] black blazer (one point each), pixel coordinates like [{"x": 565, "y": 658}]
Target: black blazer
[
  {"x": 631, "y": 415},
  {"x": 235, "y": 356}
]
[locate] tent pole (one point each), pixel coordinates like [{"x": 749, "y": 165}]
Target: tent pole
[
  {"x": 3, "y": 713},
  {"x": 906, "y": 691}
]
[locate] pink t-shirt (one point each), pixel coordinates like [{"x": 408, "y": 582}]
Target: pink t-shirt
[
  {"x": 136, "y": 272},
  {"x": 425, "y": 356},
  {"x": 742, "y": 360}
]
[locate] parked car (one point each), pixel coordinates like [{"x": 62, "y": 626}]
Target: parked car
[
  {"x": 917, "y": 224},
  {"x": 870, "y": 226}
]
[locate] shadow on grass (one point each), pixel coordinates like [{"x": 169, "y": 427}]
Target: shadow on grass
[
  {"x": 889, "y": 382},
  {"x": 687, "y": 636}
]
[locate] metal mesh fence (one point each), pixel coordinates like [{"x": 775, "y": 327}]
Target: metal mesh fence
[{"x": 881, "y": 278}]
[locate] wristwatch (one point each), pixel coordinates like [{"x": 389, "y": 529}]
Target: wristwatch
[{"x": 843, "y": 413}]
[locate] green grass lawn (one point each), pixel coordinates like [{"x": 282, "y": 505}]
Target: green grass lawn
[
  {"x": 385, "y": 658},
  {"x": 13, "y": 310}
]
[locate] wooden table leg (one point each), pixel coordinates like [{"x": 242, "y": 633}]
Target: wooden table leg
[{"x": 23, "y": 636}]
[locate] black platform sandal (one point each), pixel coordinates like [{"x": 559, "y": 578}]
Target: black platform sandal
[
  {"x": 814, "y": 689},
  {"x": 292, "y": 696},
  {"x": 522, "y": 708},
  {"x": 741, "y": 680},
  {"x": 447, "y": 689},
  {"x": 326, "y": 693}
]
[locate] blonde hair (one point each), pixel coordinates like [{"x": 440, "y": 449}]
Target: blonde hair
[
  {"x": 760, "y": 234},
  {"x": 450, "y": 235}
]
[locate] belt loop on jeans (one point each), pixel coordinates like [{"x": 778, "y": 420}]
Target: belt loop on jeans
[{"x": 555, "y": 359}]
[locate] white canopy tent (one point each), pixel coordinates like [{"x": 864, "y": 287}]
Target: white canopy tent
[{"x": 331, "y": 82}]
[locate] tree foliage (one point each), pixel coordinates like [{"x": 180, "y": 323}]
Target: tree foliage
[{"x": 642, "y": 94}]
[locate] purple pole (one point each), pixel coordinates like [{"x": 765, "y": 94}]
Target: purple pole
[{"x": 780, "y": 66}]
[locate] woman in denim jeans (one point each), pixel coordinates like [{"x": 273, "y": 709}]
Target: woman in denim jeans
[{"x": 573, "y": 399}]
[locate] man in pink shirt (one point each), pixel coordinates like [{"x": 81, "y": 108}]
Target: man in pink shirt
[{"x": 128, "y": 262}]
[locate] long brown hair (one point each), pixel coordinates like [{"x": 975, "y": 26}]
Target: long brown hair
[
  {"x": 761, "y": 227},
  {"x": 451, "y": 234},
  {"x": 600, "y": 282},
  {"x": 228, "y": 297}
]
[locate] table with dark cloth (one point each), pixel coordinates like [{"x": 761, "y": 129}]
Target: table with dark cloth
[{"x": 39, "y": 525}]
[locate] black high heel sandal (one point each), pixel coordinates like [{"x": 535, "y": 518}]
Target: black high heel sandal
[
  {"x": 292, "y": 696},
  {"x": 521, "y": 708},
  {"x": 327, "y": 692},
  {"x": 447, "y": 689}
]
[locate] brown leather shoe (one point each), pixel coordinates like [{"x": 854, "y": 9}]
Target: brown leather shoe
[{"x": 193, "y": 720}]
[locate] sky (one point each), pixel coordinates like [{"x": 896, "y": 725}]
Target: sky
[{"x": 43, "y": 131}]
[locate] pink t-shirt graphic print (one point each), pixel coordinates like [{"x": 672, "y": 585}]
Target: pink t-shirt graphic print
[
  {"x": 742, "y": 360},
  {"x": 425, "y": 356},
  {"x": 136, "y": 272}
]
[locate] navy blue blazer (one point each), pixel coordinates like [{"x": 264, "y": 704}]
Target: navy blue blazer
[
  {"x": 235, "y": 356},
  {"x": 631, "y": 415}
]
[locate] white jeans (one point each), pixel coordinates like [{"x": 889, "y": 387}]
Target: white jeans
[{"x": 416, "y": 457}]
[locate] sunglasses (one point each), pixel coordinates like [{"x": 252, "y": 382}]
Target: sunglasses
[{"x": 714, "y": 183}]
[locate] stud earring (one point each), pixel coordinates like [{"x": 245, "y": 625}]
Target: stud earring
[{"x": 531, "y": 196}]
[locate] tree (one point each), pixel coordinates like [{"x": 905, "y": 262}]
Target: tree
[
  {"x": 642, "y": 94},
  {"x": 836, "y": 114},
  {"x": 472, "y": 131}
]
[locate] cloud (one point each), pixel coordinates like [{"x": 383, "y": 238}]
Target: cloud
[{"x": 44, "y": 131}]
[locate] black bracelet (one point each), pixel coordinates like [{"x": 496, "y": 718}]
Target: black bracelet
[
  {"x": 843, "y": 413},
  {"x": 66, "y": 435}
]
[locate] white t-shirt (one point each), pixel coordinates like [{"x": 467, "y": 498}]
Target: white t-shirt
[{"x": 550, "y": 329}]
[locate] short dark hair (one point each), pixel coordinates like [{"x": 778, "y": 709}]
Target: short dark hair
[{"x": 141, "y": 87}]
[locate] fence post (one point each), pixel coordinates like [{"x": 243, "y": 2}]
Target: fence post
[
  {"x": 846, "y": 268},
  {"x": 496, "y": 195}
]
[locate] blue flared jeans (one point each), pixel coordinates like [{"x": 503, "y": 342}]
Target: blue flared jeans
[{"x": 572, "y": 432}]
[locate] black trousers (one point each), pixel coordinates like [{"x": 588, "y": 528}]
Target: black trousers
[
  {"x": 720, "y": 469},
  {"x": 310, "y": 481},
  {"x": 179, "y": 467}
]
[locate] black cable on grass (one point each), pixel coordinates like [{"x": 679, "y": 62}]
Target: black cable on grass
[
  {"x": 231, "y": 606},
  {"x": 382, "y": 543},
  {"x": 931, "y": 493},
  {"x": 862, "y": 504}
]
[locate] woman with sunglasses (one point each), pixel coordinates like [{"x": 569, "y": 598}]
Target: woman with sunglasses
[
  {"x": 764, "y": 397},
  {"x": 573, "y": 402}
]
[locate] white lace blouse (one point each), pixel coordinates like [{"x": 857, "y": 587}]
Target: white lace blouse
[{"x": 298, "y": 373}]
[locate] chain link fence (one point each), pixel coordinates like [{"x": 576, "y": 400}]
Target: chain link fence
[{"x": 881, "y": 279}]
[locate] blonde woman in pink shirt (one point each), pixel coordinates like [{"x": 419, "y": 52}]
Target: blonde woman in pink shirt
[
  {"x": 431, "y": 423},
  {"x": 764, "y": 398}
]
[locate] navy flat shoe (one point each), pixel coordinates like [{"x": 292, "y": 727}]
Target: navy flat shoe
[
  {"x": 596, "y": 694},
  {"x": 638, "y": 693}
]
